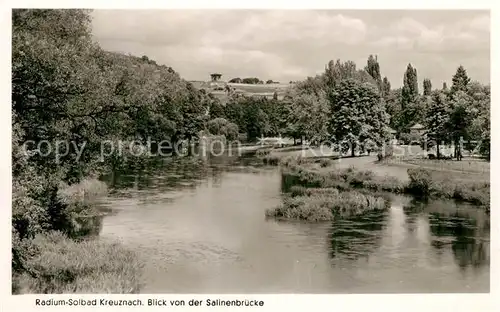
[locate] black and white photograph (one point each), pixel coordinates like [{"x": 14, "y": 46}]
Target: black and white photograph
[{"x": 246, "y": 151}]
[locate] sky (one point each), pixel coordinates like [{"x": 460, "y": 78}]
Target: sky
[{"x": 291, "y": 45}]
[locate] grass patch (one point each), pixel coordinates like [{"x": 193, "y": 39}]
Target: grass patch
[
  {"x": 422, "y": 183},
  {"x": 468, "y": 166},
  {"x": 60, "y": 265},
  {"x": 327, "y": 205}
]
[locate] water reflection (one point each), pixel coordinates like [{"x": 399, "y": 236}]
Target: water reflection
[
  {"x": 357, "y": 237},
  {"x": 457, "y": 227}
]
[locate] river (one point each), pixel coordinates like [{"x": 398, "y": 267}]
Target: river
[{"x": 200, "y": 228}]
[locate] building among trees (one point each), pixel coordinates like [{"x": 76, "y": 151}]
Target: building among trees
[
  {"x": 418, "y": 129},
  {"x": 215, "y": 77}
]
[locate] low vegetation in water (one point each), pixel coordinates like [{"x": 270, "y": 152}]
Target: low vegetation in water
[
  {"x": 326, "y": 205},
  {"x": 298, "y": 190},
  {"x": 59, "y": 265},
  {"x": 421, "y": 183}
]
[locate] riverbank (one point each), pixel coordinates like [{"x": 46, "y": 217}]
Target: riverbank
[
  {"x": 421, "y": 182},
  {"x": 60, "y": 265},
  {"x": 67, "y": 257}
]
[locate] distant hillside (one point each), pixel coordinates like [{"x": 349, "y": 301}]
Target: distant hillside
[{"x": 264, "y": 90}]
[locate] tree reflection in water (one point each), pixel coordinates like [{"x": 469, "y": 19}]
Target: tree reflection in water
[
  {"x": 357, "y": 237},
  {"x": 462, "y": 228},
  {"x": 467, "y": 236}
]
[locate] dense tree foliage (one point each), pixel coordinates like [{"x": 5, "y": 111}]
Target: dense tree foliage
[
  {"x": 358, "y": 114},
  {"x": 437, "y": 119},
  {"x": 220, "y": 126},
  {"x": 460, "y": 80}
]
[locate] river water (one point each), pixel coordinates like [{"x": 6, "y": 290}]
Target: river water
[{"x": 200, "y": 227}]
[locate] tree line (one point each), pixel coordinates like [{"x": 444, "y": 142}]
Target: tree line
[
  {"x": 358, "y": 106},
  {"x": 252, "y": 80}
]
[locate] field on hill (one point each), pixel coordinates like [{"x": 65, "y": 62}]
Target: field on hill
[{"x": 257, "y": 88}]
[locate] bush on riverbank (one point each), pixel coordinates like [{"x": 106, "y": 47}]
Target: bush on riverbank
[
  {"x": 271, "y": 160},
  {"x": 57, "y": 264},
  {"x": 326, "y": 205},
  {"x": 385, "y": 184},
  {"x": 420, "y": 182},
  {"x": 423, "y": 184},
  {"x": 325, "y": 162}
]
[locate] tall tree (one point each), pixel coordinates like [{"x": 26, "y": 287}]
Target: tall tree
[
  {"x": 409, "y": 93},
  {"x": 427, "y": 87},
  {"x": 460, "y": 80},
  {"x": 386, "y": 87},
  {"x": 437, "y": 119},
  {"x": 337, "y": 71},
  {"x": 373, "y": 69},
  {"x": 461, "y": 117}
]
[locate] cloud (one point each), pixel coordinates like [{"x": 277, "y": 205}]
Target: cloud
[
  {"x": 292, "y": 44},
  {"x": 410, "y": 34},
  {"x": 481, "y": 23}
]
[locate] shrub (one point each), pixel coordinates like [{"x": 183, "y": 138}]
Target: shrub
[
  {"x": 477, "y": 193},
  {"x": 325, "y": 162},
  {"x": 263, "y": 152},
  {"x": 420, "y": 181},
  {"x": 386, "y": 183},
  {"x": 271, "y": 160},
  {"x": 355, "y": 177}
]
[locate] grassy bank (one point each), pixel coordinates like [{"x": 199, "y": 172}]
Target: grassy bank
[
  {"x": 57, "y": 264},
  {"x": 421, "y": 182},
  {"x": 51, "y": 249}
]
